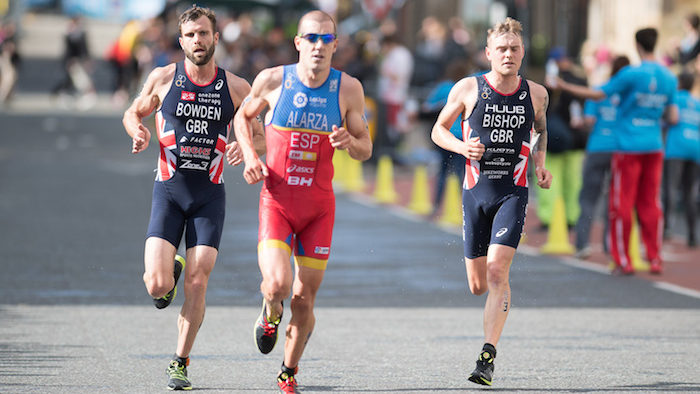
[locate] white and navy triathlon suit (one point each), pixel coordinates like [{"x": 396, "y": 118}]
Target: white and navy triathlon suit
[
  {"x": 193, "y": 125},
  {"x": 495, "y": 187}
]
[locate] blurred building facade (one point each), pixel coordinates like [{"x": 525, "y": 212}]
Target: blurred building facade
[
  {"x": 575, "y": 25},
  {"x": 571, "y": 24}
]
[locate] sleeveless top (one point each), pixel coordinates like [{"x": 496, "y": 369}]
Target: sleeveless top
[
  {"x": 299, "y": 155},
  {"x": 504, "y": 123},
  {"x": 193, "y": 125}
]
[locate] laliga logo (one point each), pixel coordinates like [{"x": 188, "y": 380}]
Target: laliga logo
[{"x": 300, "y": 100}]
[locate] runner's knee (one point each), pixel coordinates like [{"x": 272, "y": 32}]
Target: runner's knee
[
  {"x": 476, "y": 275},
  {"x": 497, "y": 274},
  {"x": 275, "y": 288},
  {"x": 157, "y": 286},
  {"x": 477, "y": 286},
  {"x": 302, "y": 305},
  {"x": 196, "y": 284}
]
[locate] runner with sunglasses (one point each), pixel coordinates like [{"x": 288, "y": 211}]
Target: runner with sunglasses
[{"x": 314, "y": 109}]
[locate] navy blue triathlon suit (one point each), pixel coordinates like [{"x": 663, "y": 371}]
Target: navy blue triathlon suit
[
  {"x": 193, "y": 125},
  {"x": 495, "y": 188}
]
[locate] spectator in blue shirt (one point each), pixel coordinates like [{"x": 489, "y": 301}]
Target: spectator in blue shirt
[
  {"x": 647, "y": 92},
  {"x": 682, "y": 158}
]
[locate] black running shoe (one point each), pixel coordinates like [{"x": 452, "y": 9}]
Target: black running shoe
[
  {"x": 165, "y": 300},
  {"x": 483, "y": 373},
  {"x": 265, "y": 332},
  {"x": 177, "y": 376}
]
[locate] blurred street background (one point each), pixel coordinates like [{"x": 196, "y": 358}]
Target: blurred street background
[{"x": 394, "y": 310}]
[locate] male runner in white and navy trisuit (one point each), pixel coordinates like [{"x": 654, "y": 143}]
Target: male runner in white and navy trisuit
[
  {"x": 194, "y": 102},
  {"x": 504, "y": 122}
]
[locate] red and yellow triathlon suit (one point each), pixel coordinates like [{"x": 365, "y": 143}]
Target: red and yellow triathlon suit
[{"x": 297, "y": 204}]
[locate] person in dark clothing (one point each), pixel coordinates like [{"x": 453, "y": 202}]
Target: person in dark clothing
[
  {"x": 689, "y": 47},
  {"x": 76, "y": 79},
  {"x": 681, "y": 158},
  {"x": 450, "y": 162},
  {"x": 567, "y": 141}
]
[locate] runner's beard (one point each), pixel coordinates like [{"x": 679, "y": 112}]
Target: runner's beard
[{"x": 208, "y": 54}]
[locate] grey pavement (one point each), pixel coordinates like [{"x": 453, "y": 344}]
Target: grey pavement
[{"x": 93, "y": 348}]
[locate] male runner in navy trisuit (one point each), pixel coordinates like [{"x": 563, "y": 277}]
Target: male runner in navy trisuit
[
  {"x": 504, "y": 121},
  {"x": 194, "y": 102}
]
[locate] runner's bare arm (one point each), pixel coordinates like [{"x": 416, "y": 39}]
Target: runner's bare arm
[
  {"x": 239, "y": 89},
  {"x": 540, "y": 100},
  {"x": 354, "y": 136},
  {"x": 252, "y": 106},
  {"x": 461, "y": 100},
  {"x": 147, "y": 101}
]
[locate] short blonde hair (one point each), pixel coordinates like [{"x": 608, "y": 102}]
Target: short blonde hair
[
  {"x": 318, "y": 16},
  {"x": 509, "y": 25}
]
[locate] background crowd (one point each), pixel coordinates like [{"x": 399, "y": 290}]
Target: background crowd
[{"x": 406, "y": 85}]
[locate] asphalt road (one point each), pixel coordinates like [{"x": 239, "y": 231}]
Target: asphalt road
[{"x": 393, "y": 312}]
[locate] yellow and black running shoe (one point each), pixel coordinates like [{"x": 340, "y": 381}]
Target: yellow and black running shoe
[
  {"x": 265, "y": 332},
  {"x": 177, "y": 376},
  {"x": 165, "y": 300},
  {"x": 483, "y": 373}
]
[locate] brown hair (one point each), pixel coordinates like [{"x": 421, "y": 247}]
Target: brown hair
[
  {"x": 685, "y": 81},
  {"x": 195, "y": 12},
  {"x": 509, "y": 25},
  {"x": 618, "y": 63},
  {"x": 694, "y": 21}
]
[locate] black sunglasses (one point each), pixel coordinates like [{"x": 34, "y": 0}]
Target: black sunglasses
[{"x": 313, "y": 37}]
